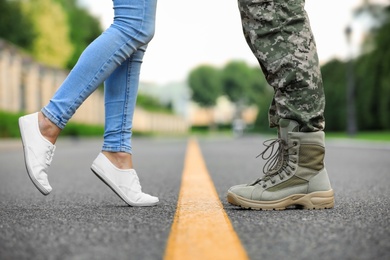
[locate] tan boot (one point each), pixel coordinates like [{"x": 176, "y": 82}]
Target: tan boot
[{"x": 295, "y": 174}]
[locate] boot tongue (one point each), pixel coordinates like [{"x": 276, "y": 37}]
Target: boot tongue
[{"x": 286, "y": 126}]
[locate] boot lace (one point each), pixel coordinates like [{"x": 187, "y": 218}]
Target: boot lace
[{"x": 276, "y": 154}]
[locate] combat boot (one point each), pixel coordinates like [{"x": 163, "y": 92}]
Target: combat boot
[{"x": 294, "y": 174}]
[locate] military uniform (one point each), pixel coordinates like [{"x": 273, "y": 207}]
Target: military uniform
[{"x": 279, "y": 35}]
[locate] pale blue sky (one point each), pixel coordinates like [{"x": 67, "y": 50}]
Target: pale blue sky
[{"x": 190, "y": 33}]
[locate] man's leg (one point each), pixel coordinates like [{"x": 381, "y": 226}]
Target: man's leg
[{"x": 279, "y": 35}]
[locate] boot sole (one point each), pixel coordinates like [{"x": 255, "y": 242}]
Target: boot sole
[{"x": 314, "y": 200}]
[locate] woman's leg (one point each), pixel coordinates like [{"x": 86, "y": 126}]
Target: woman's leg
[
  {"x": 133, "y": 27},
  {"x": 120, "y": 94},
  {"x": 114, "y": 164}
]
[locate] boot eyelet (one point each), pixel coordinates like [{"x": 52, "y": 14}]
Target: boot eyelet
[
  {"x": 293, "y": 168},
  {"x": 295, "y": 143},
  {"x": 264, "y": 186},
  {"x": 273, "y": 181}
]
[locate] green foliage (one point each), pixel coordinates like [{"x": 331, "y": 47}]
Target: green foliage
[
  {"x": 260, "y": 94},
  {"x": 9, "y": 124},
  {"x": 9, "y": 127},
  {"x": 263, "y": 104},
  {"x": 373, "y": 81},
  {"x": 152, "y": 104},
  {"x": 372, "y": 84},
  {"x": 76, "y": 129},
  {"x": 83, "y": 28},
  {"x": 205, "y": 83},
  {"x": 334, "y": 77},
  {"x": 55, "y": 32},
  {"x": 51, "y": 44},
  {"x": 373, "y": 136},
  {"x": 15, "y": 26},
  {"x": 237, "y": 81},
  {"x": 242, "y": 84},
  {"x": 247, "y": 85},
  {"x": 259, "y": 87}
]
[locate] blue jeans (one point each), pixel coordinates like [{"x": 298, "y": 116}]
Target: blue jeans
[{"x": 114, "y": 58}]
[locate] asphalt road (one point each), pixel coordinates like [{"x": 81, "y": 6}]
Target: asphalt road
[{"x": 83, "y": 219}]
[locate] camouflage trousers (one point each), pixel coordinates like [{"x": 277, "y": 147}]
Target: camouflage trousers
[{"x": 279, "y": 35}]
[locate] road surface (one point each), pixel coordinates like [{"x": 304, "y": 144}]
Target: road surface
[{"x": 83, "y": 219}]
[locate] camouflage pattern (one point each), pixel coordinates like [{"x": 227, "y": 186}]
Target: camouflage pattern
[{"x": 279, "y": 35}]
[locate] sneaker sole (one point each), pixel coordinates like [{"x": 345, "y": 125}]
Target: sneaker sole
[
  {"x": 32, "y": 178},
  {"x": 117, "y": 190},
  {"x": 314, "y": 200}
]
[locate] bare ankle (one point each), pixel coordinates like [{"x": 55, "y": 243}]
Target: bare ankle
[
  {"x": 121, "y": 160},
  {"x": 48, "y": 129}
]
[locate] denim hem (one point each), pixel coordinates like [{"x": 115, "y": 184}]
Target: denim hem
[
  {"x": 116, "y": 149},
  {"x": 52, "y": 118}
]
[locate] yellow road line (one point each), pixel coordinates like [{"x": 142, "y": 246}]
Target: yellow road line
[{"x": 201, "y": 228}]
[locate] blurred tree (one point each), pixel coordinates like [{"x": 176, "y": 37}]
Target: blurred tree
[
  {"x": 83, "y": 28},
  {"x": 237, "y": 81},
  {"x": 373, "y": 80},
  {"x": 242, "y": 84},
  {"x": 56, "y": 34},
  {"x": 259, "y": 87},
  {"x": 382, "y": 54},
  {"x": 150, "y": 103},
  {"x": 245, "y": 86},
  {"x": 371, "y": 70},
  {"x": 14, "y": 26},
  {"x": 333, "y": 74},
  {"x": 52, "y": 44},
  {"x": 205, "y": 83},
  {"x": 260, "y": 94}
]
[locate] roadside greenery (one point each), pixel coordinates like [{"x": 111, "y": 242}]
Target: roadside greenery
[
  {"x": 372, "y": 136},
  {"x": 151, "y": 104},
  {"x": 15, "y": 26},
  {"x": 54, "y": 32},
  {"x": 205, "y": 82},
  {"x": 83, "y": 29},
  {"x": 9, "y": 127},
  {"x": 245, "y": 85},
  {"x": 57, "y": 31}
]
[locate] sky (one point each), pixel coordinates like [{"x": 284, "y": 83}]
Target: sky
[{"x": 192, "y": 33}]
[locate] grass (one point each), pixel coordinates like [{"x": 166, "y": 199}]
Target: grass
[
  {"x": 374, "y": 136},
  {"x": 9, "y": 124},
  {"x": 9, "y": 129}
]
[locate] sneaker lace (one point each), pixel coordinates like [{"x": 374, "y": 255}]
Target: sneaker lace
[
  {"x": 133, "y": 185},
  {"x": 50, "y": 154},
  {"x": 276, "y": 155},
  {"x": 137, "y": 184}
]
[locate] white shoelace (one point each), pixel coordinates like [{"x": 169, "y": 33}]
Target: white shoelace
[{"x": 50, "y": 154}]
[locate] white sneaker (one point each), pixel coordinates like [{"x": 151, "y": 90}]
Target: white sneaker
[
  {"x": 38, "y": 152},
  {"x": 124, "y": 183}
]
